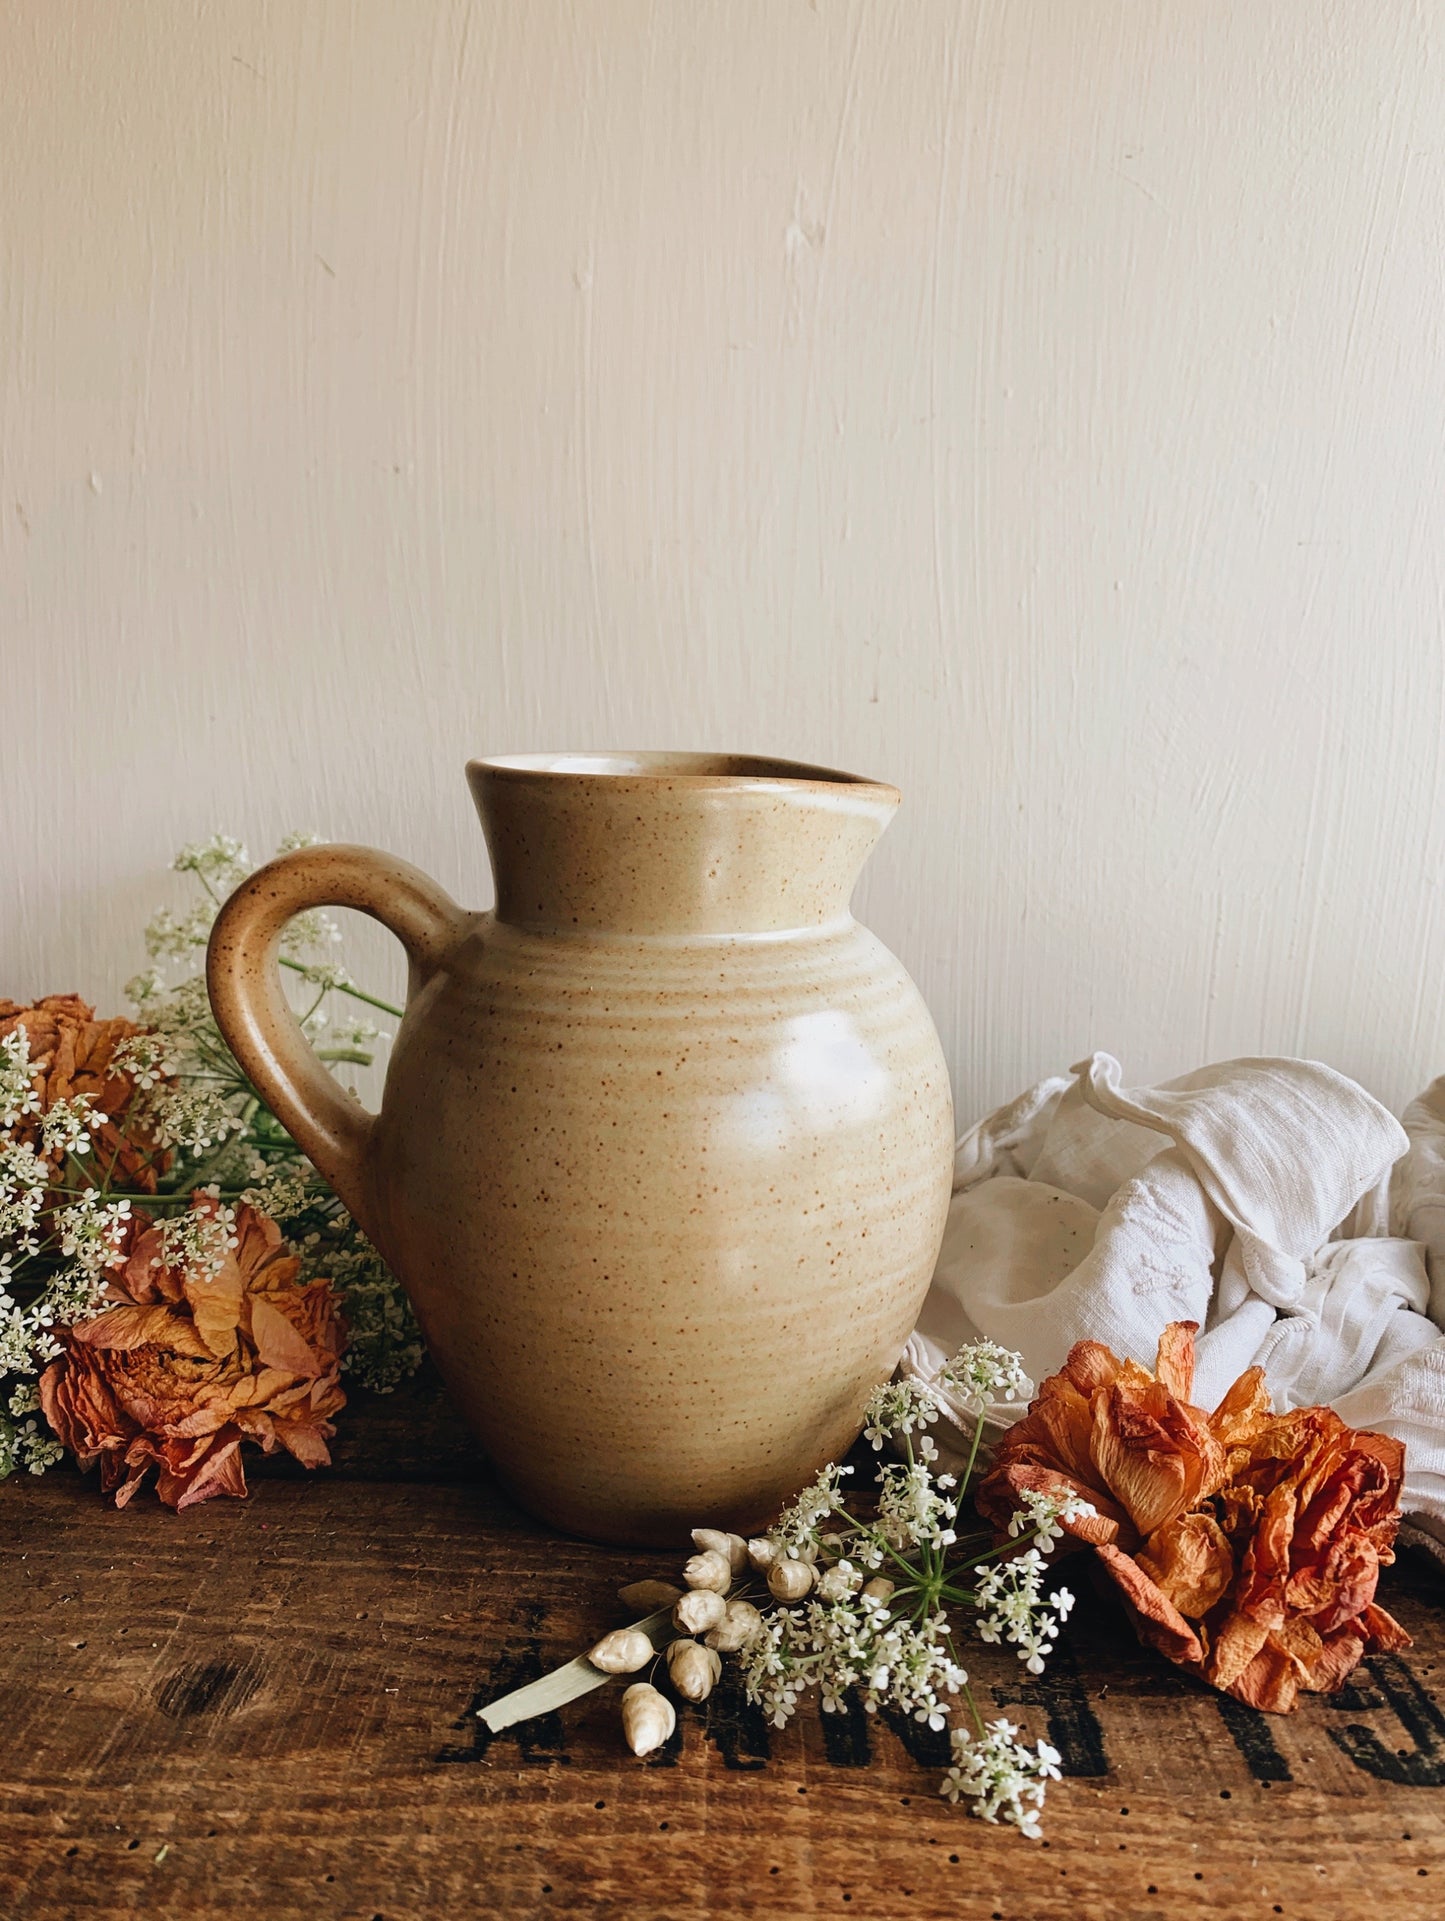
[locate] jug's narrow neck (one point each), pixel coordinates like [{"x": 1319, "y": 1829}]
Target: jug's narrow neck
[{"x": 674, "y": 853}]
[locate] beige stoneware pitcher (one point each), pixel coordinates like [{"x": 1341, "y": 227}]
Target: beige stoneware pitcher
[{"x": 665, "y": 1148}]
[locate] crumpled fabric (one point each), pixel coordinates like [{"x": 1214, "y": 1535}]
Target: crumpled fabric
[{"x": 1274, "y": 1202}]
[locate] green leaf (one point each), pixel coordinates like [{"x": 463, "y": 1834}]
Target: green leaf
[{"x": 562, "y": 1685}]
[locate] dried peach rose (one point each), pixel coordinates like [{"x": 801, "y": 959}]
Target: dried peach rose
[
  {"x": 1311, "y": 1518},
  {"x": 74, "y": 1053},
  {"x": 1128, "y": 1441},
  {"x": 181, "y": 1369},
  {"x": 1246, "y": 1545}
]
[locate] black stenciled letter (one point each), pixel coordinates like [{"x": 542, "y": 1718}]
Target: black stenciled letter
[
  {"x": 1249, "y": 1730},
  {"x": 541, "y": 1740},
  {"x": 1416, "y": 1712}
]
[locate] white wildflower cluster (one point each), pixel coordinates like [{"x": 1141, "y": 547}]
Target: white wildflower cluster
[
  {"x": 193, "y": 1115},
  {"x": 24, "y": 1399},
  {"x": 323, "y": 975},
  {"x": 868, "y": 1605},
  {"x": 55, "y": 1250},
  {"x": 23, "y": 1180},
  {"x": 93, "y": 1230},
  {"x": 915, "y": 1507},
  {"x": 1002, "y": 1775},
  {"x": 220, "y": 863},
  {"x": 897, "y": 1408},
  {"x": 69, "y": 1127},
  {"x": 383, "y": 1341},
  {"x": 282, "y": 1189},
  {"x": 314, "y": 929},
  {"x": 358, "y": 1035},
  {"x": 1043, "y": 1515},
  {"x": 148, "y": 1057},
  {"x": 172, "y": 937},
  {"x": 865, "y": 1607},
  {"x": 844, "y": 1645},
  {"x": 26, "y": 1444},
  {"x": 1011, "y": 1607},
  {"x": 19, "y": 1096},
  {"x": 198, "y": 1241},
  {"x": 795, "y": 1532},
  {"x": 984, "y": 1372}
]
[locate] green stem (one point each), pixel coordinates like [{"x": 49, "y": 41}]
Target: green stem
[
  {"x": 356, "y": 993},
  {"x": 343, "y": 987},
  {"x": 1010, "y": 1546},
  {"x": 973, "y": 1710},
  {"x": 973, "y": 1452}
]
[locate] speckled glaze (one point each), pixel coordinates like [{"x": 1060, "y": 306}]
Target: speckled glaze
[{"x": 665, "y": 1149}]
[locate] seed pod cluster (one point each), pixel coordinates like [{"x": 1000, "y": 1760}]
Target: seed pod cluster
[{"x": 708, "y": 1625}]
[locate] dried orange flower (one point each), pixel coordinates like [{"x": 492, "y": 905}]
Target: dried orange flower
[
  {"x": 1247, "y": 1546},
  {"x": 1128, "y": 1441},
  {"x": 74, "y": 1053},
  {"x": 188, "y": 1362}
]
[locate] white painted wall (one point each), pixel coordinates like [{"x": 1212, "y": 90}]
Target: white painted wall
[{"x": 1040, "y": 404}]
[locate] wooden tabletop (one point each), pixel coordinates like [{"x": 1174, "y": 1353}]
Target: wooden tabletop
[{"x": 266, "y": 1708}]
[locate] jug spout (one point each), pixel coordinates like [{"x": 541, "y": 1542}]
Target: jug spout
[{"x": 683, "y": 844}]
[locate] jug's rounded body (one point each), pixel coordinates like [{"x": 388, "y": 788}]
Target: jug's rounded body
[{"x": 666, "y": 1143}]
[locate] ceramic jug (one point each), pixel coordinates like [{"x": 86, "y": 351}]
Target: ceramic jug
[{"x": 665, "y": 1147}]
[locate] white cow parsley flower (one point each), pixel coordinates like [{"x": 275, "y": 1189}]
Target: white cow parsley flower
[
  {"x": 1004, "y": 1777},
  {"x": 1011, "y": 1607},
  {"x": 897, "y": 1408},
  {"x": 798, "y": 1525},
  {"x": 19, "y": 1096},
  {"x": 983, "y": 1372},
  {"x": 66, "y": 1126},
  {"x": 198, "y": 1243},
  {"x": 1043, "y": 1514}
]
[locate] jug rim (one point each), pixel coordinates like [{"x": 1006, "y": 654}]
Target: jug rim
[{"x": 665, "y": 768}]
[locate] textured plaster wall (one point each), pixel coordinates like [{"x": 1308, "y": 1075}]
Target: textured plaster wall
[{"x": 1039, "y": 404}]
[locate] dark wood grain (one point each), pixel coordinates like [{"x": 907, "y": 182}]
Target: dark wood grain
[{"x": 265, "y": 1708}]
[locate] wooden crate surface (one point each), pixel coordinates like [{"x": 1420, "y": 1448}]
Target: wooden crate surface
[{"x": 266, "y": 1708}]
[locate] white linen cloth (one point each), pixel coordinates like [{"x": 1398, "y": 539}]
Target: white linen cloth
[{"x": 1274, "y": 1202}]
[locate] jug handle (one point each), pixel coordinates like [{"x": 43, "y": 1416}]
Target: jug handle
[{"x": 257, "y": 1021}]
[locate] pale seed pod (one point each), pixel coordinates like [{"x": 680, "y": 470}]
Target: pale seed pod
[
  {"x": 761, "y": 1553},
  {"x": 734, "y": 1628},
  {"x": 648, "y": 1718},
  {"x": 693, "y": 1670},
  {"x": 700, "y": 1609},
  {"x": 878, "y": 1589},
  {"x": 648, "y": 1595},
  {"x": 709, "y": 1569},
  {"x": 623, "y": 1651},
  {"x": 789, "y": 1580},
  {"x": 732, "y": 1547}
]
